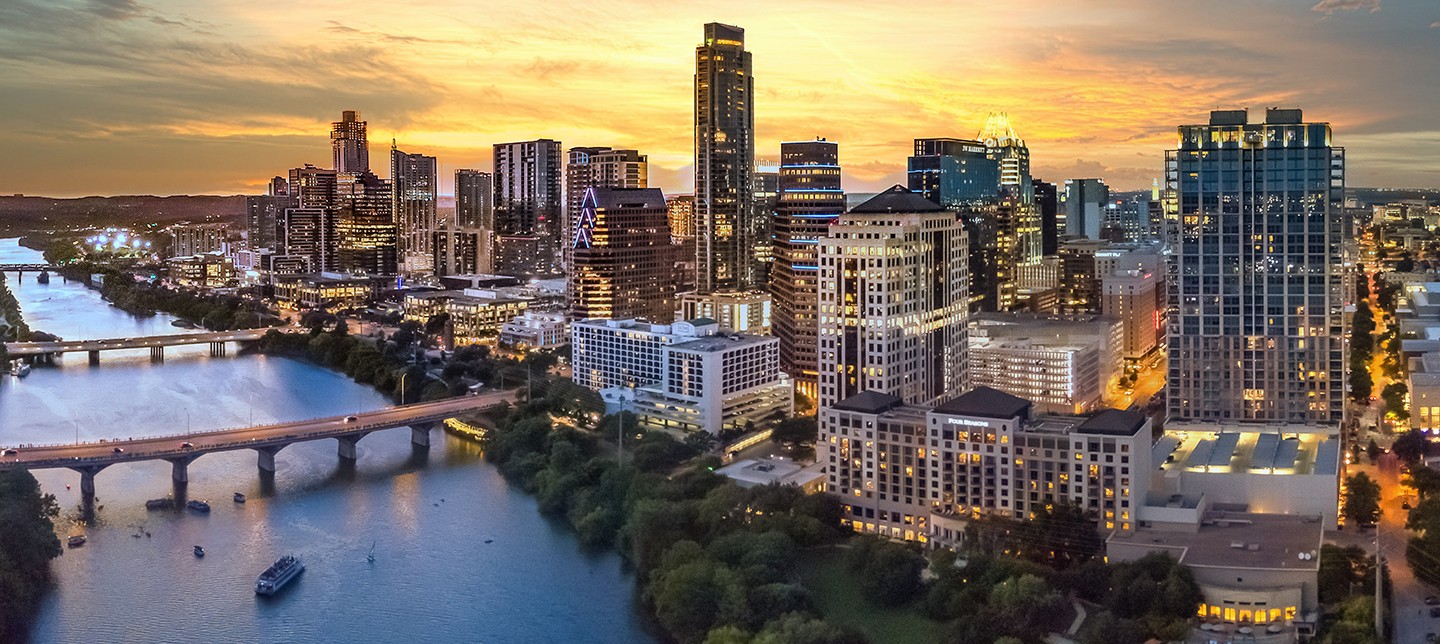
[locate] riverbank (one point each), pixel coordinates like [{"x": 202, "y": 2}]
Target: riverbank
[
  {"x": 27, "y": 543},
  {"x": 144, "y": 299}
]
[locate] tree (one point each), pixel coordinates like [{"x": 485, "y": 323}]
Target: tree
[
  {"x": 889, "y": 572},
  {"x": 1411, "y": 446},
  {"x": 1373, "y": 451},
  {"x": 1394, "y": 396},
  {"x": 1362, "y": 284},
  {"x": 1426, "y": 481},
  {"x": 1343, "y": 571},
  {"x": 1362, "y": 499},
  {"x": 1361, "y": 385},
  {"x": 27, "y": 544},
  {"x": 804, "y": 429}
]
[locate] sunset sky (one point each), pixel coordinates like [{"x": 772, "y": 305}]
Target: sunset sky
[{"x": 214, "y": 97}]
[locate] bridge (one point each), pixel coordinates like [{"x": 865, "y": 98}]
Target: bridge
[
  {"x": 267, "y": 440},
  {"x": 156, "y": 344},
  {"x": 26, "y": 268}
]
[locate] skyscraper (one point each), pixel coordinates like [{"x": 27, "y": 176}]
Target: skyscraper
[
  {"x": 528, "y": 207},
  {"x": 621, "y": 251},
  {"x": 415, "y": 181},
  {"x": 726, "y": 228},
  {"x": 597, "y": 167},
  {"x": 1258, "y": 330},
  {"x": 1047, "y": 201},
  {"x": 810, "y": 199},
  {"x": 893, "y": 314},
  {"x": 365, "y": 225},
  {"x": 953, "y": 172},
  {"x": 475, "y": 211},
  {"x": 351, "y": 147},
  {"x": 263, "y": 216},
  {"x": 1084, "y": 201},
  {"x": 309, "y": 226}
]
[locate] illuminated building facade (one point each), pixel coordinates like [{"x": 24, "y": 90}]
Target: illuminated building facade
[
  {"x": 1258, "y": 329},
  {"x": 350, "y": 143},
  {"x": 193, "y": 239},
  {"x": 415, "y": 181},
  {"x": 309, "y": 225},
  {"x": 457, "y": 251},
  {"x": 726, "y": 230},
  {"x": 1085, "y": 201},
  {"x": 810, "y": 199},
  {"x": 621, "y": 254},
  {"x": 921, "y": 473},
  {"x": 365, "y": 225},
  {"x": 263, "y": 216},
  {"x": 597, "y": 167},
  {"x": 736, "y": 312},
  {"x": 892, "y": 305},
  {"x": 528, "y": 207},
  {"x": 475, "y": 210}
]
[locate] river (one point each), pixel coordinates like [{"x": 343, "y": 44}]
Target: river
[{"x": 459, "y": 555}]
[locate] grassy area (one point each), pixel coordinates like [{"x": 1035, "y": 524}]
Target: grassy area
[{"x": 824, "y": 573}]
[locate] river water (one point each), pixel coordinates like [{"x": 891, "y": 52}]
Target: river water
[{"x": 428, "y": 514}]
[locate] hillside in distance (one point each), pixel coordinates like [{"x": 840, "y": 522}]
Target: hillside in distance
[{"x": 24, "y": 214}]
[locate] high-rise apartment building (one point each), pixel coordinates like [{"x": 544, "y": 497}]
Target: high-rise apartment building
[
  {"x": 313, "y": 238},
  {"x": 810, "y": 198},
  {"x": 350, "y": 143},
  {"x": 892, "y": 308},
  {"x": 528, "y": 207},
  {"x": 263, "y": 215},
  {"x": 457, "y": 251},
  {"x": 621, "y": 249},
  {"x": 193, "y": 239},
  {"x": 597, "y": 167},
  {"x": 726, "y": 228},
  {"x": 365, "y": 225},
  {"x": 1047, "y": 201},
  {"x": 1258, "y": 329},
  {"x": 1084, "y": 202},
  {"x": 415, "y": 180},
  {"x": 475, "y": 211}
]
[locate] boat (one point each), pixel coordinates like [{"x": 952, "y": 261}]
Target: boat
[
  {"x": 183, "y": 324},
  {"x": 278, "y": 574},
  {"x": 160, "y": 504},
  {"x": 198, "y": 506},
  {"x": 77, "y": 541},
  {"x": 239, "y": 498},
  {"x": 19, "y": 369},
  {"x": 43, "y": 277},
  {"x": 199, "y": 552},
  {"x": 371, "y": 557}
]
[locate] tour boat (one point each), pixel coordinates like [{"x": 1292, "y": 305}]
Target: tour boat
[{"x": 278, "y": 574}]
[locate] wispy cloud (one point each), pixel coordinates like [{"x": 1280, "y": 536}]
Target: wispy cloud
[{"x": 1331, "y": 6}]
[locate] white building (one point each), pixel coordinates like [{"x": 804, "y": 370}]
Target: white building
[
  {"x": 536, "y": 330},
  {"x": 736, "y": 312},
  {"x": 1063, "y": 365},
  {"x": 685, "y": 376},
  {"x": 917, "y": 473},
  {"x": 894, "y": 285}
]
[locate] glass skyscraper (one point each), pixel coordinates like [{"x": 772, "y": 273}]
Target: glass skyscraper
[
  {"x": 414, "y": 179},
  {"x": 726, "y": 225},
  {"x": 1258, "y": 327},
  {"x": 350, "y": 146},
  {"x": 808, "y": 201}
]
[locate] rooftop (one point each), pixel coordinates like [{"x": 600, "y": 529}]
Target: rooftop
[
  {"x": 1232, "y": 451},
  {"x": 986, "y": 402},
  {"x": 1238, "y": 540},
  {"x": 897, "y": 199},
  {"x": 1115, "y": 422},
  {"x": 765, "y": 471},
  {"x": 713, "y": 343},
  {"x": 869, "y": 402}
]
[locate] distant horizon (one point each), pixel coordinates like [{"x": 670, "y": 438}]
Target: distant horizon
[{"x": 173, "y": 98}]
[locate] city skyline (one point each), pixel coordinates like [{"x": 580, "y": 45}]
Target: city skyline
[{"x": 211, "y": 102}]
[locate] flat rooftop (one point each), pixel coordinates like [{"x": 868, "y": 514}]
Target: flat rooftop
[
  {"x": 712, "y": 343},
  {"x": 1239, "y": 540},
  {"x": 764, "y": 471},
  {"x": 1230, "y": 451}
]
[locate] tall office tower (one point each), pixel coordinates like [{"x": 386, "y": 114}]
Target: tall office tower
[
  {"x": 597, "y": 167},
  {"x": 810, "y": 199},
  {"x": 365, "y": 225},
  {"x": 415, "y": 182},
  {"x": 1258, "y": 331},
  {"x": 350, "y": 144},
  {"x": 475, "y": 210},
  {"x": 1047, "y": 201},
  {"x": 953, "y": 172},
  {"x": 621, "y": 251},
  {"x": 1018, "y": 229},
  {"x": 1127, "y": 217},
  {"x": 528, "y": 207},
  {"x": 726, "y": 231},
  {"x": 1008, "y": 150},
  {"x": 765, "y": 192},
  {"x": 893, "y": 287},
  {"x": 312, "y": 189},
  {"x": 278, "y": 186},
  {"x": 263, "y": 216},
  {"x": 457, "y": 250},
  {"x": 682, "y": 240},
  {"x": 1084, "y": 202}
]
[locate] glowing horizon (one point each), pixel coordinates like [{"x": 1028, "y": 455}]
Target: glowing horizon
[{"x": 167, "y": 97}]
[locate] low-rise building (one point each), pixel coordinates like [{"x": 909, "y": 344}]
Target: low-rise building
[
  {"x": 536, "y": 330},
  {"x": 205, "y": 270},
  {"x": 325, "y": 290},
  {"x": 1063, "y": 365},
  {"x": 1265, "y": 470},
  {"x": 921, "y": 474},
  {"x": 683, "y": 377},
  {"x": 735, "y": 312},
  {"x": 476, "y": 316},
  {"x": 758, "y": 472}
]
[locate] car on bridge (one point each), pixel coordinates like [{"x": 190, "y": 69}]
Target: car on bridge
[
  {"x": 351, "y": 419},
  {"x": 187, "y": 445},
  {"x": 119, "y": 450},
  {"x": 10, "y": 452}
]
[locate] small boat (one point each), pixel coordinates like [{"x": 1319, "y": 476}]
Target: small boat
[
  {"x": 43, "y": 277},
  {"x": 239, "y": 498},
  {"x": 77, "y": 541},
  {"x": 199, "y": 552},
  {"x": 19, "y": 369},
  {"x": 182, "y": 324},
  {"x": 278, "y": 574},
  {"x": 160, "y": 504},
  {"x": 371, "y": 557},
  {"x": 198, "y": 506}
]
